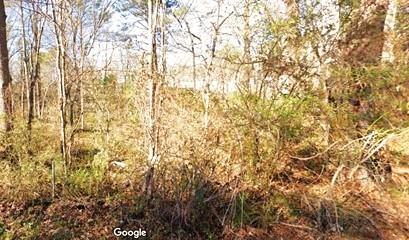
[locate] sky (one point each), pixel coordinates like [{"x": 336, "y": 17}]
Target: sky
[{"x": 201, "y": 16}]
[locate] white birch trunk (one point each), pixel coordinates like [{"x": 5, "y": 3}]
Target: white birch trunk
[{"x": 389, "y": 30}]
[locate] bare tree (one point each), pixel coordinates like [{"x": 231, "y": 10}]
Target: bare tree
[
  {"x": 156, "y": 21},
  {"x": 85, "y": 22},
  {"x": 31, "y": 58},
  {"x": 220, "y": 20},
  {"x": 58, "y": 8},
  {"x": 191, "y": 46}
]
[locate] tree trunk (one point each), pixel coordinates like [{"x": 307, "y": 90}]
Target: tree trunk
[
  {"x": 326, "y": 25},
  {"x": 22, "y": 90},
  {"x": 209, "y": 71},
  {"x": 246, "y": 50},
  {"x": 31, "y": 62},
  {"x": 37, "y": 26},
  {"x": 58, "y": 19},
  {"x": 27, "y": 70},
  {"x": 39, "y": 97},
  {"x": 193, "y": 52},
  {"x": 363, "y": 42},
  {"x": 389, "y": 30},
  {"x": 330, "y": 29},
  {"x": 81, "y": 68},
  {"x": 82, "y": 104},
  {"x": 6, "y": 101},
  {"x": 153, "y": 85},
  {"x": 23, "y": 76}
]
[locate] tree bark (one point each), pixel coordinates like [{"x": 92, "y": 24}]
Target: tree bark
[
  {"x": 37, "y": 25},
  {"x": 6, "y": 101},
  {"x": 152, "y": 87},
  {"x": 26, "y": 65},
  {"x": 31, "y": 61},
  {"x": 247, "y": 43},
  {"x": 22, "y": 89},
  {"x": 389, "y": 30},
  {"x": 363, "y": 42},
  {"x": 81, "y": 69},
  {"x": 58, "y": 18}
]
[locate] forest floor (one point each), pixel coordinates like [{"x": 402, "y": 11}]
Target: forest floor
[
  {"x": 376, "y": 214},
  {"x": 297, "y": 203},
  {"x": 385, "y": 217}
]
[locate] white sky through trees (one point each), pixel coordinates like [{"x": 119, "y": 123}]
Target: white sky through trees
[
  {"x": 201, "y": 15},
  {"x": 125, "y": 34}
]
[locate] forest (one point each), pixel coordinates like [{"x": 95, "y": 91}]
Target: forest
[{"x": 212, "y": 119}]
